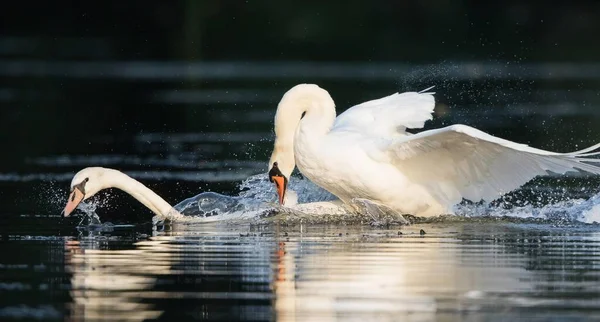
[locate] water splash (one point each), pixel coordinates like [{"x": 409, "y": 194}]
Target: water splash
[
  {"x": 256, "y": 200},
  {"x": 87, "y": 208},
  {"x": 560, "y": 212},
  {"x": 258, "y": 187},
  {"x": 54, "y": 194},
  {"x": 257, "y": 203},
  {"x": 90, "y": 217},
  {"x": 308, "y": 203}
]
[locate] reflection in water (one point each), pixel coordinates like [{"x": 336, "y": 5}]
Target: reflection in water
[
  {"x": 98, "y": 272},
  {"x": 171, "y": 275},
  {"x": 220, "y": 272}
]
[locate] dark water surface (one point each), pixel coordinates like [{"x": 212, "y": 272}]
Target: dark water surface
[
  {"x": 539, "y": 260},
  {"x": 457, "y": 271}
]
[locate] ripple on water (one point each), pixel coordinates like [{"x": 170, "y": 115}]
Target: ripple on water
[{"x": 431, "y": 271}]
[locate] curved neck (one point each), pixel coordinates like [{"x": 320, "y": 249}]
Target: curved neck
[
  {"x": 318, "y": 109},
  {"x": 139, "y": 191}
]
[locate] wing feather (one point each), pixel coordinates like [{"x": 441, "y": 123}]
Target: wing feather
[
  {"x": 388, "y": 116},
  {"x": 459, "y": 161}
]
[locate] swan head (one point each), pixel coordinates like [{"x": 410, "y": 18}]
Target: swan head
[
  {"x": 85, "y": 184},
  {"x": 280, "y": 180},
  {"x": 281, "y": 166}
]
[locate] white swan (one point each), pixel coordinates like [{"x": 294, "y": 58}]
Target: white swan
[
  {"x": 89, "y": 181},
  {"x": 366, "y": 153}
]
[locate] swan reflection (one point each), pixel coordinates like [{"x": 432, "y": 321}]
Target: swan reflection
[{"x": 225, "y": 272}]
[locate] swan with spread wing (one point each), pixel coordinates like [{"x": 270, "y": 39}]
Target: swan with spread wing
[{"x": 366, "y": 152}]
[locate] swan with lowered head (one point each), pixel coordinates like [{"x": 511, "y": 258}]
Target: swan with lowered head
[
  {"x": 367, "y": 153},
  {"x": 89, "y": 181}
]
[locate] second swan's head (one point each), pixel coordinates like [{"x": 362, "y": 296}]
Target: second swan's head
[
  {"x": 85, "y": 184},
  {"x": 298, "y": 102}
]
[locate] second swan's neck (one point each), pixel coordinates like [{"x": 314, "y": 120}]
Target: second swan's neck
[
  {"x": 140, "y": 192},
  {"x": 304, "y": 110}
]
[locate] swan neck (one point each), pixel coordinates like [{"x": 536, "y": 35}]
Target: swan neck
[
  {"x": 318, "y": 120},
  {"x": 140, "y": 192},
  {"x": 304, "y": 109}
]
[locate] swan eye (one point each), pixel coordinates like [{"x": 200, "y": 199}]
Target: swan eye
[
  {"x": 303, "y": 113},
  {"x": 86, "y": 180}
]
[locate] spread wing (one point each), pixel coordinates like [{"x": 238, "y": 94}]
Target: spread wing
[
  {"x": 459, "y": 161},
  {"x": 388, "y": 116}
]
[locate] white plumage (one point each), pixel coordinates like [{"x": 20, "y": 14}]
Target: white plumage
[{"x": 366, "y": 153}]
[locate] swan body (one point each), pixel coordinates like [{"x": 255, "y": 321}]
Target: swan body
[{"x": 367, "y": 153}]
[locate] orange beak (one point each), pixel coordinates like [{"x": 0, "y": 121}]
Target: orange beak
[
  {"x": 279, "y": 180},
  {"x": 280, "y": 185},
  {"x": 75, "y": 198}
]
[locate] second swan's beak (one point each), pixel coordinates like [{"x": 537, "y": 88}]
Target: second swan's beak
[
  {"x": 280, "y": 181},
  {"x": 74, "y": 199}
]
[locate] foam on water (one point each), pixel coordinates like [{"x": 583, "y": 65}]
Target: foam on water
[
  {"x": 308, "y": 203},
  {"x": 574, "y": 210},
  {"x": 257, "y": 201}
]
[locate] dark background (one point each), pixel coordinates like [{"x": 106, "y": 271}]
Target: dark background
[{"x": 45, "y": 110}]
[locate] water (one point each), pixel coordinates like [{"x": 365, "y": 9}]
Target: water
[
  {"x": 233, "y": 260},
  {"x": 532, "y": 255},
  {"x": 468, "y": 271}
]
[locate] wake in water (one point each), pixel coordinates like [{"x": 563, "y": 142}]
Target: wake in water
[
  {"x": 257, "y": 203},
  {"x": 575, "y": 210}
]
